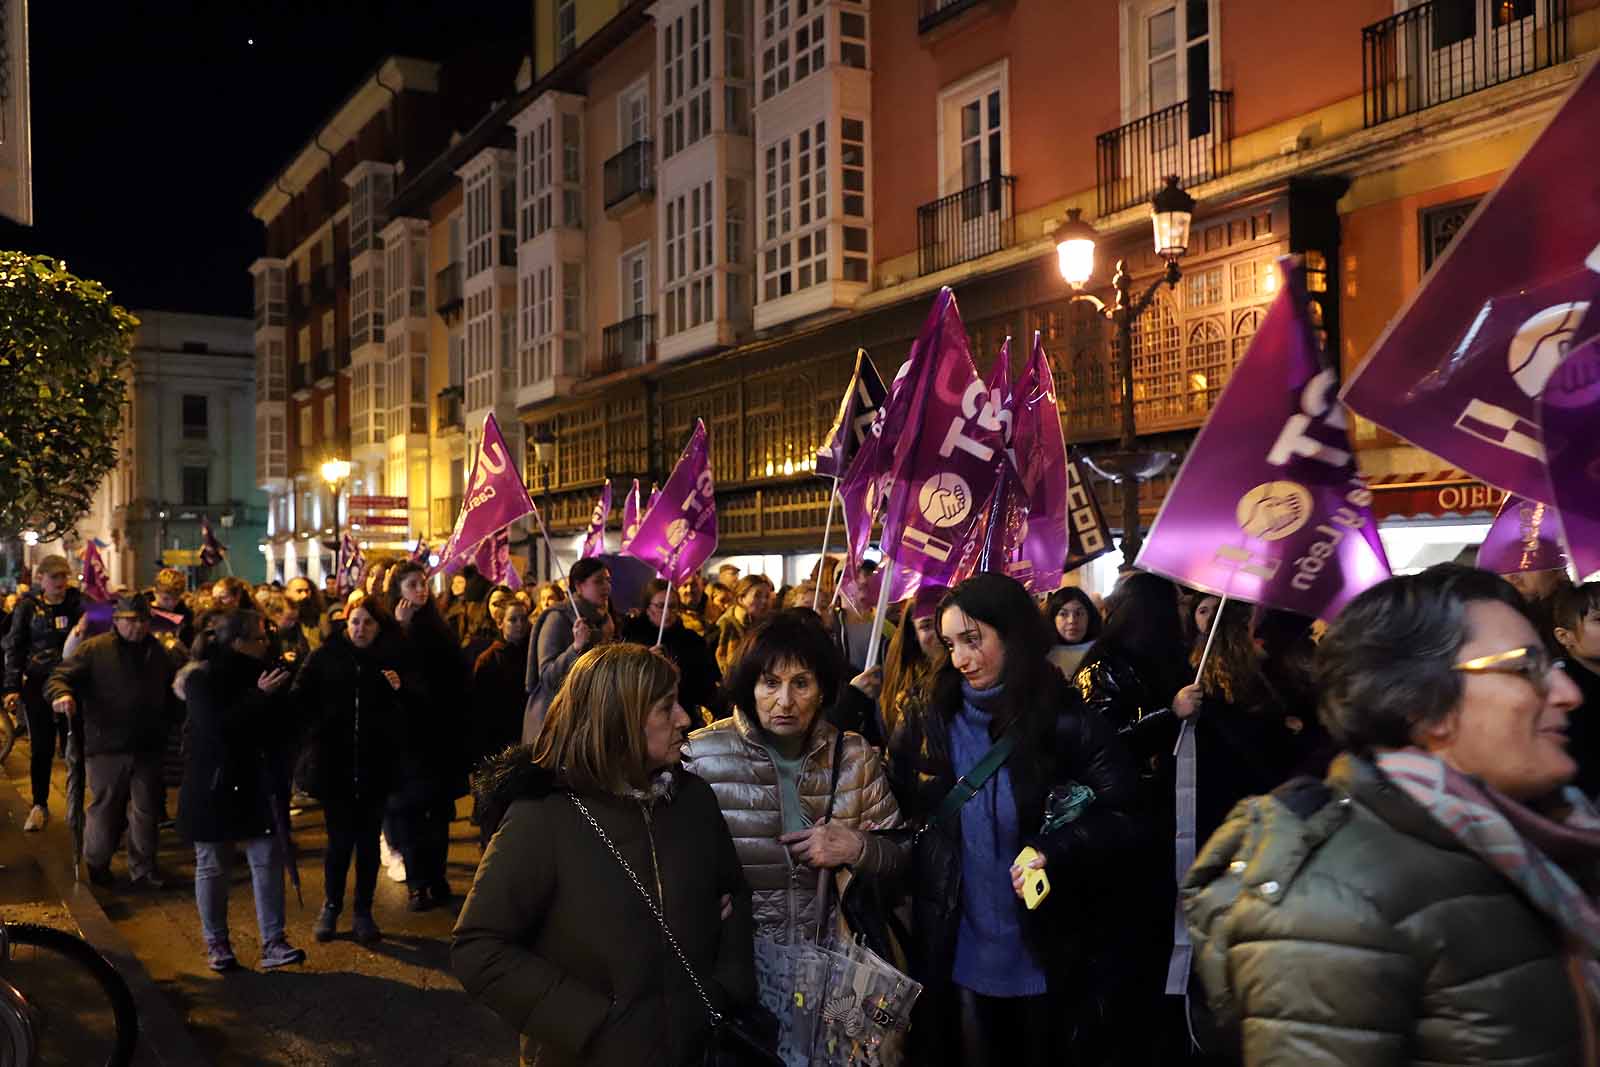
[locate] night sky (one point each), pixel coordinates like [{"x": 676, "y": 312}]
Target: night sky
[{"x": 156, "y": 125}]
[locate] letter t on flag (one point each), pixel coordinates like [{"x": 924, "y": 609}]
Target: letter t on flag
[{"x": 679, "y": 532}]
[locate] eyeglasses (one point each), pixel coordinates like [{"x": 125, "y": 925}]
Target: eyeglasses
[{"x": 1532, "y": 662}]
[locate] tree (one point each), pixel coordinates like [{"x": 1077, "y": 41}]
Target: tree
[{"x": 63, "y": 349}]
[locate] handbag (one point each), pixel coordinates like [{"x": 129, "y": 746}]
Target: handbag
[{"x": 749, "y": 1040}]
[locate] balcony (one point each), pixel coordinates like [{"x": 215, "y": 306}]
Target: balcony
[
  {"x": 630, "y": 177},
  {"x": 1446, "y": 49},
  {"x": 932, "y": 14},
  {"x": 322, "y": 364},
  {"x": 447, "y": 289},
  {"x": 629, "y": 343},
  {"x": 974, "y": 222},
  {"x": 1190, "y": 139},
  {"x": 447, "y": 410}
]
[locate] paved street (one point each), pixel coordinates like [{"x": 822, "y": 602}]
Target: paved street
[{"x": 394, "y": 1002}]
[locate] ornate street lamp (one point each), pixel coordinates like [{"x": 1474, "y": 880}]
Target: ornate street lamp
[
  {"x": 1171, "y": 212},
  {"x": 335, "y": 472}
]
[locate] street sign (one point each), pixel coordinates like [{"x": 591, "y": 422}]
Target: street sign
[
  {"x": 181, "y": 557},
  {"x": 379, "y": 520},
  {"x": 378, "y": 503}
]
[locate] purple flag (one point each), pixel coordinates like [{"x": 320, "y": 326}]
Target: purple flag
[
  {"x": 1569, "y": 414},
  {"x": 1088, "y": 533},
  {"x": 495, "y": 497},
  {"x": 1269, "y": 506},
  {"x": 859, "y": 406},
  {"x": 594, "y": 542},
  {"x": 1525, "y": 536},
  {"x": 95, "y": 582},
  {"x": 211, "y": 550},
  {"x": 420, "y": 553},
  {"x": 1039, "y": 453},
  {"x": 1002, "y": 526},
  {"x": 630, "y": 515},
  {"x": 1459, "y": 370},
  {"x": 347, "y": 565},
  {"x": 679, "y": 532}
]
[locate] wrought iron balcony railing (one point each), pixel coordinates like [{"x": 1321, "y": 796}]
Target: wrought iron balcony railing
[
  {"x": 1190, "y": 139},
  {"x": 447, "y": 410},
  {"x": 447, "y": 292},
  {"x": 629, "y": 343},
  {"x": 974, "y": 222},
  {"x": 631, "y": 172},
  {"x": 933, "y": 13},
  {"x": 1445, "y": 49}
]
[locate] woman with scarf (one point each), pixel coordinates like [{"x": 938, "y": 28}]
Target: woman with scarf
[{"x": 1433, "y": 900}]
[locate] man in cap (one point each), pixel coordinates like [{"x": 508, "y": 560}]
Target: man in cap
[
  {"x": 118, "y": 689},
  {"x": 43, "y": 620}
]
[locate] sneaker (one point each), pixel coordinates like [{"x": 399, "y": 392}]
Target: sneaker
[
  {"x": 327, "y": 923},
  {"x": 100, "y": 876},
  {"x": 394, "y": 864},
  {"x": 364, "y": 930},
  {"x": 220, "y": 957},
  {"x": 38, "y": 819},
  {"x": 279, "y": 953},
  {"x": 421, "y": 899},
  {"x": 148, "y": 882}
]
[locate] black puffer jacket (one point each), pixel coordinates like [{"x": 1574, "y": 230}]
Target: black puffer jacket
[
  {"x": 237, "y": 762},
  {"x": 1072, "y": 744},
  {"x": 33, "y": 643},
  {"x": 355, "y": 723},
  {"x": 124, "y": 693}
]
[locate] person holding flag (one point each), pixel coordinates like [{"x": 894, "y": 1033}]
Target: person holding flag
[{"x": 562, "y": 634}]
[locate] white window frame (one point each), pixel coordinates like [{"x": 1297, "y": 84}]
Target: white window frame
[
  {"x": 639, "y": 91},
  {"x": 952, "y": 98},
  {"x": 1134, "y": 17},
  {"x": 626, "y": 308}
]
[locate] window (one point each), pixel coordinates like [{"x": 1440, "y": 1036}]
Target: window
[
  {"x": 974, "y": 135},
  {"x": 1439, "y": 226},
  {"x": 633, "y": 114},
  {"x": 195, "y": 425},
  {"x": 303, "y": 424},
  {"x": 794, "y": 43},
  {"x": 196, "y": 486},
  {"x": 550, "y": 168},
  {"x": 1170, "y": 42},
  {"x": 686, "y": 79},
  {"x": 633, "y": 271},
  {"x": 369, "y": 197},
  {"x": 326, "y": 342},
  {"x": 795, "y": 246},
  {"x": 690, "y": 255},
  {"x": 566, "y": 27},
  {"x": 329, "y": 415},
  {"x": 303, "y": 346},
  {"x": 853, "y": 39}
]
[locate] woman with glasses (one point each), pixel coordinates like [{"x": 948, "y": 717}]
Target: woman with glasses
[{"x": 1432, "y": 901}]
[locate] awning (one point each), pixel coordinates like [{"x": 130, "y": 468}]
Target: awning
[{"x": 1408, "y": 483}]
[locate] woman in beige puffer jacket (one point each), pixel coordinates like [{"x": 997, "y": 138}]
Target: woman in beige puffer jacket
[{"x": 771, "y": 766}]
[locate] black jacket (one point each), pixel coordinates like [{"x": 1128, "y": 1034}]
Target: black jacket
[
  {"x": 236, "y": 766},
  {"x": 355, "y": 724},
  {"x": 33, "y": 642},
  {"x": 123, "y": 691},
  {"x": 698, "y": 677},
  {"x": 439, "y": 731},
  {"x": 498, "y": 698},
  {"x": 1136, "y": 706},
  {"x": 1071, "y": 745}
]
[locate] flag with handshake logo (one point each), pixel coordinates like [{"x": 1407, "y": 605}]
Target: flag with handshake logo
[{"x": 495, "y": 498}]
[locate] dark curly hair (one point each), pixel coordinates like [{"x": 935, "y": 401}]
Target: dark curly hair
[
  {"x": 789, "y": 636},
  {"x": 1060, "y": 598}
]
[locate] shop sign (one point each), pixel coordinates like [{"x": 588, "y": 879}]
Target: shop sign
[{"x": 1459, "y": 498}]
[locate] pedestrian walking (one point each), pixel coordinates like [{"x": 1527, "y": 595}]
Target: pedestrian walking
[
  {"x": 699, "y": 680},
  {"x": 498, "y": 696},
  {"x": 554, "y": 633},
  {"x": 241, "y": 734},
  {"x": 1432, "y": 900},
  {"x": 554, "y": 936},
  {"x": 40, "y": 624},
  {"x": 116, "y": 688}
]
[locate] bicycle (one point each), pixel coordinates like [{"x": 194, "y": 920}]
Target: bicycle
[{"x": 77, "y": 1009}]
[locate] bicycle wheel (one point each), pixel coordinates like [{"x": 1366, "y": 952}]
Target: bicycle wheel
[{"x": 82, "y": 1011}]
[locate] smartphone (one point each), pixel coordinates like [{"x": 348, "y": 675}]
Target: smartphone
[{"x": 1035, "y": 883}]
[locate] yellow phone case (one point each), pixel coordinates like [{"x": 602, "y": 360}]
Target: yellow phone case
[{"x": 1035, "y": 883}]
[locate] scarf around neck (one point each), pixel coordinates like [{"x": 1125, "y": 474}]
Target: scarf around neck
[{"x": 1553, "y": 861}]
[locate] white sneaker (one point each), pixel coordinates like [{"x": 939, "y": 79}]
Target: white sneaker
[
  {"x": 38, "y": 818},
  {"x": 394, "y": 864}
]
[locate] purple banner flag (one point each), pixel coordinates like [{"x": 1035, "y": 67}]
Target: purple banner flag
[
  {"x": 630, "y": 515},
  {"x": 679, "y": 531},
  {"x": 1039, "y": 452},
  {"x": 1269, "y": 506},
  {"x": 211, "y": 550},
  {"x": 594, "y": 542},
  {"x": 495, "y": 497},
  {"x": 1002, "y": 526},
  {"x": 94, "y": 580},
  {"x": 1088, "y": 533},
  {"x": 1459, "y": 370},
  {"x": 347, "y": 565},
  {"x": 1569, "y": 418},
  {"x": 420, "y": 553},
  {"x": 1525, "y": 536},
  {"x": 859, "y": 406}
]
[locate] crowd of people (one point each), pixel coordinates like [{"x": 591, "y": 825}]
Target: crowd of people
[{"x": 1360, "y": 840}]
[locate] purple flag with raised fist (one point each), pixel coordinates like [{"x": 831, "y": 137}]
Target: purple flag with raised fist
[
  {"x": 1459, "y": 370},
  {"x": 1525, "y": 536},
  {"x": 95, "y": 582},
  {"x": 594, "y": 542},
  {"x": 495, "y": 497},
  {"x": 1569, "y": 418},
  {"x": 679, "y": 532},
  {"x": 630, "y": 515},
  {"x": 1269, "y": 506},
  {"x": 859, "y": 406}
]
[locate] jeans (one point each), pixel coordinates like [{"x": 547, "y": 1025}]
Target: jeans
[
  {"x": 353, "y": 828},
  {"x": 127, "y": 794},
  {"x": 211, "y": 862}
]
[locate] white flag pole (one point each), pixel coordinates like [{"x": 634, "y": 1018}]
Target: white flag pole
[
  {"x": 878, "y": 615},
  {"x": 1211, "y": 635},
  {"x": 827, "y": 528}
]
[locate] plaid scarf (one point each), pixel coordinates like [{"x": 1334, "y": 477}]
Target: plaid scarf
[{"x": 1554, "y": 859}]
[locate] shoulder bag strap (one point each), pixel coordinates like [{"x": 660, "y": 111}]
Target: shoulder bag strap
[
  {"x": 833, "y": 781},
  {"x": 968, "y": 784},
  {"x": 655, "y": 909}
]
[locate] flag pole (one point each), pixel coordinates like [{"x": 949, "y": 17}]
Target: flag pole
[
  {"x": 827, "y": 528},
  {"x": 1211, "y": 635},
  {"x": 572, "y": 594},
  {"x": 876, "y": 636}
]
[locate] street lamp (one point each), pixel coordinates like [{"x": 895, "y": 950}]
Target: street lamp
[
  {"x": 334, "y": 472},
  {"x": 544, "y": 454},
  {"x": 1171, "y": 212}
]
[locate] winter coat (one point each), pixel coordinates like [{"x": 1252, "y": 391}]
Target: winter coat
[
  {"x": 355, "y": 723},
  {"x": 1136, "y": 705},
  {"x": 1075, "y": 929},
  {"x": 729, "y": 755},
  {"x": 698, "y": 677},
  {"x": 33, "y": 642},
  {"x": 1338, "y": 923},
  {"x": 240, "y": 741},
  {"x": 554, "y": 938},
  {"x": 725, "y": 639},
  {"x": 123, "y": 693},
  {"x": 438, "y": 732},
  {"x": 551, "y": 654},
  {"x": 498, "y": 698}
]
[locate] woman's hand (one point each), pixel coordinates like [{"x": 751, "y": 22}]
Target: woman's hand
[
  {"x": 405, "y": 611},
  {"x": 582, "y": 635},
  {"x": 393, "y": 679},
  {"x": 1187, "y": 702},
  {"x": 1035, "y": 864},
  {"x": 272, "y": 681},
  {"x": 870, "y": 682},
  {"x": 826, "y": 845}
]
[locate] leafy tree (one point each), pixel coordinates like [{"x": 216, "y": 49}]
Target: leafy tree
[{"x": 63, "y": 349}]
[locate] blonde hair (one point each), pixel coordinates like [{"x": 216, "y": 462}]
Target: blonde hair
[
  {"x": 52, "y": 565},
  {"x": 171, "y": 581},
  {"x": 593, "y": 734}
]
